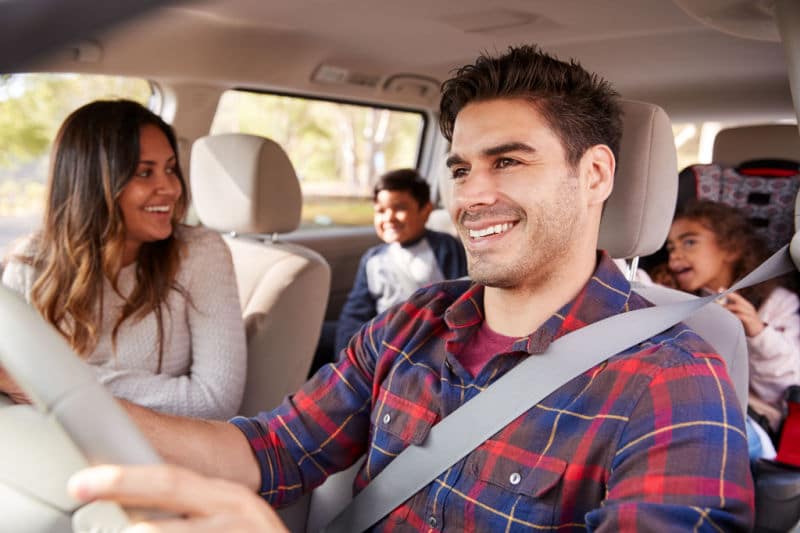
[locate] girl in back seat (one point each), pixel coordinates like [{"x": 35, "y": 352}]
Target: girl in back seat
[
  {"x": 711, "y": 245},
  {"x": 150, "y": 303}
]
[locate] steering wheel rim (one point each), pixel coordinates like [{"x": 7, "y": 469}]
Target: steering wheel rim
[{"x": 61, "y": 385}]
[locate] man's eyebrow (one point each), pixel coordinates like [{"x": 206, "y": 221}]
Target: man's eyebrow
[
  {"x": 454, "y": 159},
  {"x": 509, "y": 147},
  {"x": 492, "y": 151},
  {"x": 687, "y": 234}
]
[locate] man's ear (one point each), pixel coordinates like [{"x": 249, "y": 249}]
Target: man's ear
[{"x": 598, "y": 165}]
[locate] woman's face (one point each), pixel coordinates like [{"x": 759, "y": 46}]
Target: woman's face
[
  {"x": 148, "y": 199},
  {"x": 696, "y": 259}
]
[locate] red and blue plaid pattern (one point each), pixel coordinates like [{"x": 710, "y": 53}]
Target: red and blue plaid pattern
[{"x": 651, "y": 439}]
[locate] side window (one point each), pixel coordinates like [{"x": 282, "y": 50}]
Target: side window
[
  {"x": 32, "y": 107},
  {"x": 337, "y": 149}
]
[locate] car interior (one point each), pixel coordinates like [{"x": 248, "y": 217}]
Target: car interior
[{"x": 705, "y": 83}]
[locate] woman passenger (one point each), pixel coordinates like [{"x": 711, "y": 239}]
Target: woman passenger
[{"x": 150, "y": 303}]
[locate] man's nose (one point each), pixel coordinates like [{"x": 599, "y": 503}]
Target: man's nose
[{"x": 478, "y": 188}]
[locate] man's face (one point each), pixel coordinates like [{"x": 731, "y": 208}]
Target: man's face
[
  {"x": 398, "y": 216},
  {"x": 517, "y": 204}
]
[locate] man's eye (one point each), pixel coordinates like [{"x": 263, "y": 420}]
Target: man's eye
[
  {"x": 505, "y": 162},
  {"x": 688, "y": 243},
  {"x": 459, "y": 173}
]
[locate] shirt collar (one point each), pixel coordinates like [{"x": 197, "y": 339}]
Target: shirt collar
[{"x": 605, "y": 294}]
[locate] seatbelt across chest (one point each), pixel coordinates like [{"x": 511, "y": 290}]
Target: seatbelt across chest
[{"x": 535, "y": 378}]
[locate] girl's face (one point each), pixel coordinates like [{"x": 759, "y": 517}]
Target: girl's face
[
  {"x": 696, "y": 259},
  {"x": 148, "y": 199}
]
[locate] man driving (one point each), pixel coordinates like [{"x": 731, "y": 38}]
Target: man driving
[{"x": 650, "y": 439}]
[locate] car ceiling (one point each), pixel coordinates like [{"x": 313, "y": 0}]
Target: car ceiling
[{"x": 650, "y": 49}]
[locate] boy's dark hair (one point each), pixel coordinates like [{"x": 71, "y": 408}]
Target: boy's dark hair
[
  {"x": 580, "y": 107},
  {"x": 404, "y": 179}
]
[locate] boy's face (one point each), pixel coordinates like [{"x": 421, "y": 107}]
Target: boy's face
[{"x": 398, "y": 216}]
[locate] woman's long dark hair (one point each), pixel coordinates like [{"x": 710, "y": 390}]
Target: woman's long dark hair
[{"x": 82, "y": 240}]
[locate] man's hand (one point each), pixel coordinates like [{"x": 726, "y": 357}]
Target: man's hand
[
  {"x": 744, "y": 311},
  {"x": 207, "y": 504},
  {"x": 9, "y": 387}
]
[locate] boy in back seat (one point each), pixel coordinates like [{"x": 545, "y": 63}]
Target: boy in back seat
[{"x": 410, "y": 258}]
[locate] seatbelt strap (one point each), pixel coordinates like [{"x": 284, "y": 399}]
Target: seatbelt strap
[{"x": 517, "y": 391}]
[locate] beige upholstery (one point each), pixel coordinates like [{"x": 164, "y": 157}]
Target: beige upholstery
[
  {"x": 245, "y": 184},
  {"x": 732, "y": 146},
  {"x": 639, "y": 211}
]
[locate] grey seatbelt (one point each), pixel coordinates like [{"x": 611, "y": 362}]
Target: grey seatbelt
[{"x": 466, "y": 428}]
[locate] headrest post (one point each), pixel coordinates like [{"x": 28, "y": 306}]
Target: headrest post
[
  {"x": 274, "y": 237},
  {"x": 633, "y": 268}
]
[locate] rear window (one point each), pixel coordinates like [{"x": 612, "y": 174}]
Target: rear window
[
  {"x": 337, "y": 149},
  {"x": 32, "y": 107}
]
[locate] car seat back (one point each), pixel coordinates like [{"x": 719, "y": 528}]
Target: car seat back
[{"x": 246, "y": 185}]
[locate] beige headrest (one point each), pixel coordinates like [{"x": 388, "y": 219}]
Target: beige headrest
[
  {"x": 733, "y": 146},
  {"x": 244, "y": 183},
  {"x": 639, "y": 212}
]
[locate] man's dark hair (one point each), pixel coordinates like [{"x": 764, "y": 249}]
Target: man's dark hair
[
  {"x": 404, "y": 179},
  {"x": 580, "y": 107}
]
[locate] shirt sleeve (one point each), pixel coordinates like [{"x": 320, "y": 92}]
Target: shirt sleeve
[
  {"x": 359, "y": 308},
  {"x": 214, "y": 385},
  {"x": 775, "y": 352},
  {"x": 681, "y": 462},
  {"x": 320, "y": 430}
]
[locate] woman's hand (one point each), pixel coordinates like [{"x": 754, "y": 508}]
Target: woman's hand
[
  {"x": 204, "y": 504},
  {"x": 9, "y": 387},
  {"x": 746, "y": 312}
]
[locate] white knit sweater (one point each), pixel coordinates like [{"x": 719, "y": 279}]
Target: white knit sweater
[
  {"x": 205, "y": 355},
  {"x": 775, "y": 352}
]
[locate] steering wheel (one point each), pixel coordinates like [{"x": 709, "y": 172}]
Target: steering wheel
[{"x": 73, "y": 422}]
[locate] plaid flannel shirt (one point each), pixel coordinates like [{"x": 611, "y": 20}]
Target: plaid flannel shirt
[{"x": 651, "y": 439}]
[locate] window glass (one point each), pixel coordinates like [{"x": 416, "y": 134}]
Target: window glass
[
  {"x": 337, "y": 149},
  {"x": 695, "y": 142},
  {"x": 32, "y": 107}
]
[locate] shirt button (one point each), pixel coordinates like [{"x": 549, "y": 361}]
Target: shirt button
[
  {"x": 514, "y": 478},
  {"x": 387, "y": 418},
  {"x": 432, "y": 521}
]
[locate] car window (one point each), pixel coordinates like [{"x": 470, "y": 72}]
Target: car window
[
  {"x": 32, "y": 107},
  {"x": 695, "y": 142},
  {"x": 337, "y": 149}
]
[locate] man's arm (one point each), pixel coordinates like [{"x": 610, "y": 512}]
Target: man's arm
[{"x": 213, "y": 448}]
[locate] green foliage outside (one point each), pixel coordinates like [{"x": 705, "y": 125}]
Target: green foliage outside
[
  {"x": 338, "y": 150},
  {"x": 32, "y": 107},
  {"x": 321, "y": 211}
]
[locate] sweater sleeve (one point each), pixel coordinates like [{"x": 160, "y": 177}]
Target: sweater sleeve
[
  {"x": 17, "y": 275},
  {"x": 214, "y": 384},
  {"x": 775, "y": 352}
]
